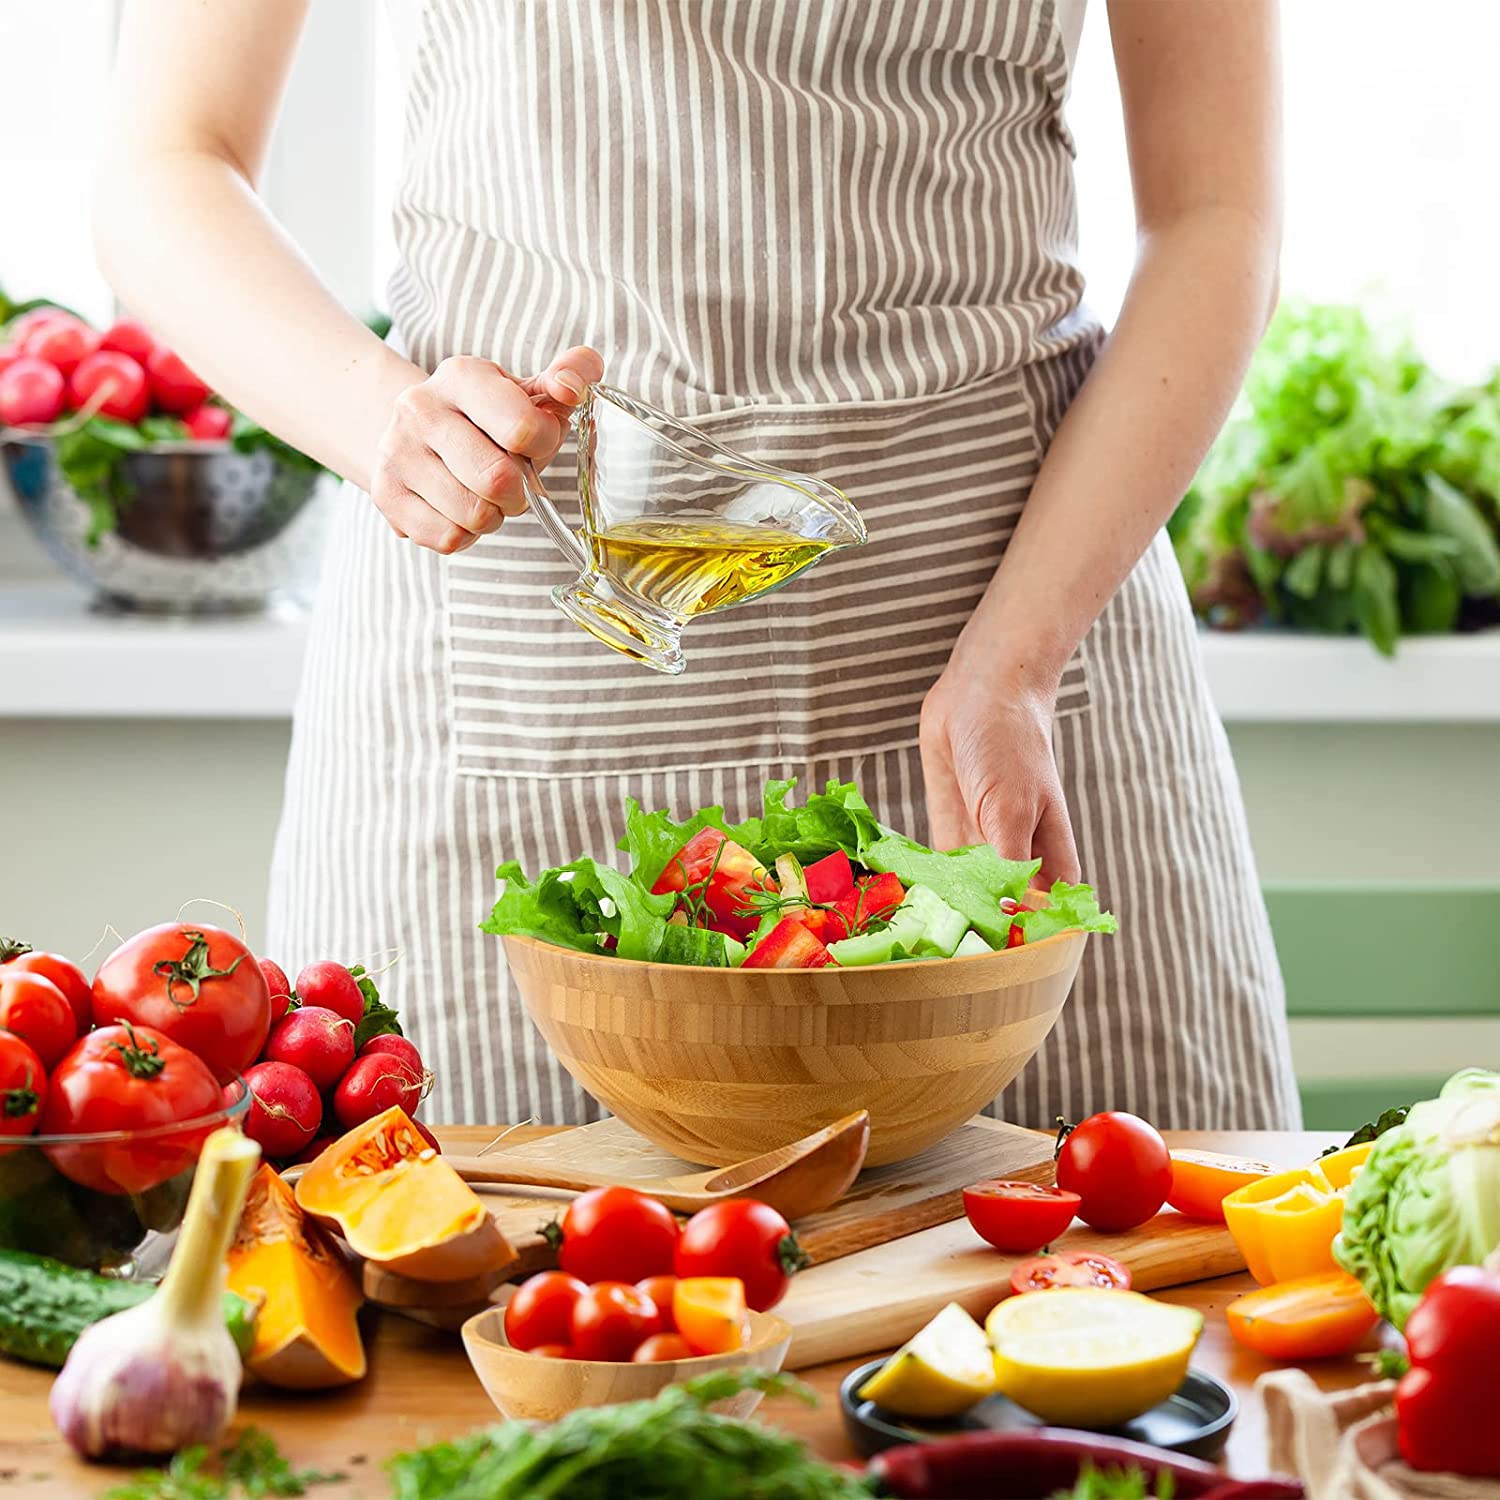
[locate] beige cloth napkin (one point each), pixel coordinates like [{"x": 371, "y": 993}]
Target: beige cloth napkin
[{"x": 1342, "y": 1444}]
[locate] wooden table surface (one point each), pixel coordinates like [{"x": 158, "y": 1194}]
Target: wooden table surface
[{"x": 420, "y": 1388}]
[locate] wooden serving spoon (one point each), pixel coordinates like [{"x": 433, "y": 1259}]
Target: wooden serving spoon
[{"x": 802, "y": 1178}]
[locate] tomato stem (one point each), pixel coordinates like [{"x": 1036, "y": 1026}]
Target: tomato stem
[
  {"x": 20, "y": 1101},
  {"x": 12, "y": 948},
  {"x": 552, "y": 1232},
  {"x": 191, "y": 969},
  {"x": 1064, "y": 1130},
  {"x": 137, "y": 1060},
  {"x": 792, "y": 1256}
]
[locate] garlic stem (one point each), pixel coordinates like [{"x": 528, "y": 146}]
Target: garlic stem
[{"x": 193, "y": 1288}]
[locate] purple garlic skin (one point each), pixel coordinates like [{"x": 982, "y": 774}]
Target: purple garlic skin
[{"x": 109, "y": 1402}]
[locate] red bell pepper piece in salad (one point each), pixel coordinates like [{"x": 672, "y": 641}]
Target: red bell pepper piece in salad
[
  {"x": 874, "y": 897},
  {"x": 715, "y": 874},
  {"x": 1016, "y": 936},
  {"x": 789, "y": 945},
  {"x": 830, "y": 879}
]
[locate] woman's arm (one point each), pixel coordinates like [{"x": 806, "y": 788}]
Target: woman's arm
[
  {"x": 1200, "y": 82},
  {"x": 183, "y": 238}
]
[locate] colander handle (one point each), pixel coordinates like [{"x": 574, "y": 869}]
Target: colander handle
[{"x": 551, "y": 518}]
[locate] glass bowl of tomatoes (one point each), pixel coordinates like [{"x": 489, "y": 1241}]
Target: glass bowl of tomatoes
[{"x": 107, "y": 1200}]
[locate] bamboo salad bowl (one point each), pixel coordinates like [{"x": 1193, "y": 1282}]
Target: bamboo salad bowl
[{"x": 716, "y": 1065}]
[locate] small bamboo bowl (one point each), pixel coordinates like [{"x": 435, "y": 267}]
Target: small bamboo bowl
[{"x": 538, "y": 1388}]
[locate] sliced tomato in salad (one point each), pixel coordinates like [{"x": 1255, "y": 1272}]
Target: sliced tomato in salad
[
  {"x": 830, "y": 879},
  {"x": 874, "y": 897},
  {"x": 716, "y": 874},
  {"x": 789, "y": 945},
  {"x": 1070, "y": 1268}
]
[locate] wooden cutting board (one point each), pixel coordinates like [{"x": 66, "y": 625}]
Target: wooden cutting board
[
  {"x": 884, "y": 1204},
  {"x": 868, "y": 1302}
]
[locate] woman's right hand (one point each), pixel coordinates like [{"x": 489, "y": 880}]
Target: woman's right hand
[{"x": 446, "y": 472}]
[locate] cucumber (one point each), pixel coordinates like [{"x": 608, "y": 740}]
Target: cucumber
[
  {"x": 734, "y": 952},
  {"x": 904, "y": 933},
  {"x": 971, "y": 946},
  {"x": 942, "y": 927},
  {"x": 45, "y": 1305}
]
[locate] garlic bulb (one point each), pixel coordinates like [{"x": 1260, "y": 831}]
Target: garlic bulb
[{"x": 166, "y": 1374}]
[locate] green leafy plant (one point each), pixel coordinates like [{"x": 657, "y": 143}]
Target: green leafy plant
[
  {"x": 252, "y": 1467},
  {"x": 1353, "y": 489}
]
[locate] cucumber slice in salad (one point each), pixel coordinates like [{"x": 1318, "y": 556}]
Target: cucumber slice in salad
[
  {"x": 904, "y": 933},
  {"x": 942, "y": 927},
  {"x": 971, "y": 945}
]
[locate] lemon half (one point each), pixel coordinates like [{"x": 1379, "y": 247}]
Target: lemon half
[
  {"x": 940, "y": 1371},
  {"x": 1086, "y": 1357}
]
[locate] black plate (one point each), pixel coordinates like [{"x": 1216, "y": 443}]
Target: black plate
[{"x": 1195, "y": 1420}]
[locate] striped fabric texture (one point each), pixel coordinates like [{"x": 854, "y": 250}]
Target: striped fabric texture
[{"x": 841, "y": 238}]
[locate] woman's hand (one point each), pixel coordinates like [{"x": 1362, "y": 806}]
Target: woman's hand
[
  {"x": 990, "y": 772},
  {"x": 446, "y": 472}
]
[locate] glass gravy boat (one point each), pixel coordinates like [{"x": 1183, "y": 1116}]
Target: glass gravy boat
[{"x": 676, "y": 525}]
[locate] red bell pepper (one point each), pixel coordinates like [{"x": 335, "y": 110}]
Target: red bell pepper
[
  {"x": 1445, "y": 1403},
  {"x": 788, "y": 945},
  {"x": 814, "y": 918},
  {"x": 873, "y": 896},
  {"x": 716, "y": 873},
  {"x": 1016, "y": 937},
  {"x": 830, "y": 879}
]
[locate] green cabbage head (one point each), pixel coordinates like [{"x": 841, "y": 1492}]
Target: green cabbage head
[{"x": 1428, "y": 1198}]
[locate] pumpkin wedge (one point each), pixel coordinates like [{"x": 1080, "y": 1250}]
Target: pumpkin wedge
[
  {"x": 397, "y": 1203},
  {"x": 307, "y": 1335}
]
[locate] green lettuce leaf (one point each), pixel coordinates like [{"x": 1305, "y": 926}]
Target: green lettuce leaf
[
  {"x": 652, "y": 838},
  {"x": 973, "y": 880},
  {"x": 837, "y": 818},
  {"x": 574, "y": 903},
  {"x": 1071, "y": 908}
]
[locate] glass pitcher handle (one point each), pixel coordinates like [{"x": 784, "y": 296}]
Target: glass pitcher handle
[{"x": 547, "y": 513}]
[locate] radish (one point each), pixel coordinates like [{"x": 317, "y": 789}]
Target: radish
[
  {"x": 373, "y": 1085},
  {"x": 280, "y": 987},
  {"x": 173, "y": 386},
  {"x": 129, "y": 337},
  {"x": 208, "y": 423},
  {"x": 315, "y": 1040},
  {"x": 285, "y": 1110},
  {"x": 32, "y": 392},
  {"x": 396, "y": 1046},
  {"x": 333, "y": 987}
]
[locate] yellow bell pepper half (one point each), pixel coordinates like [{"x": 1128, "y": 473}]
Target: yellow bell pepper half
[{"x": 1284, "y": 1225}]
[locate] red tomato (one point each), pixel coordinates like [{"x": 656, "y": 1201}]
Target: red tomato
[
  {"x": 611, "y": 1319},
  {"x": 661, "y": 1289},
  {"x": 372, "y": 1085},
  {"x": 1019, "y": 1217},
  {"x": 198, "y": 985},
  {"x": 717, "y": 873},
  {"x": 617, "y": 1234},
  {"x": 830, "y": 878},
  {"x": 874, "y": 898},
  {"x": 23, "y": 1086},
  {"x": 67, "y": 976},
  {"x": 1070, "y": 1268},
  {"x": 208, "y": 423},
  {"x": 1119, "y": 1165},
  {"x": 129, "y": 337},
  {"x": 280, "y": 987},
  {"x": 790, "y": 944},
  {"x": 174, "y": 387},
  {"x": 541, "y": 1311},
  {"x": 118, "y": 383},
  {"x": 38, "y": 1012},
  {"x": 662, "y": 1348},
  {"x": 555, "y": 1351},
  {"x": 32, "y": 393},
  {"x": 63, "y": 341},
  {"x": 746, "y": 1240},
  {"x": 129, "y": 1078}
]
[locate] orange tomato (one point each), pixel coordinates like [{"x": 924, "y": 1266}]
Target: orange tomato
[
  {"x": 661, "y": 1348},
  {"x": 710, "y": 1313},
  {"x": 1201, "y": 1180},
  {"x": 1313, "y": 1317}
]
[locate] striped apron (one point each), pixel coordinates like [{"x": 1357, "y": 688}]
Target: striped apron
[{"x": 841, "y": 237}]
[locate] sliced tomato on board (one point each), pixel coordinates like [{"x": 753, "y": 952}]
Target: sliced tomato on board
[
  {"x": 874, "y": 897},
  {"x": 1070, "y": 1268},
  {"x": 829, "y": 879},
  {"x": 1201, "y": 1180},
  {"x": 788, "y": 945},
  {"x": 1313, "y": 1317},
  {"x": 1019, "y": 1217},
  {"x": 716, "y": 873}
]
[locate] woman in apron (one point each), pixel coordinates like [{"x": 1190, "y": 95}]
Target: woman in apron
[{"x": 840, "y": 236}]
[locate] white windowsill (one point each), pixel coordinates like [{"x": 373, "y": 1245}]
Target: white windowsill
[{"x": 58, "y": 660}]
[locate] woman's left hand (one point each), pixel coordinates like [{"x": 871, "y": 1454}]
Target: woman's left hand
[{"x": 990, "y": 771}]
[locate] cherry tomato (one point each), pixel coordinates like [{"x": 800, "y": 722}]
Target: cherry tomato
[
  {"x": 1019, "y": 1217},
  {"x": 710, "y": 1313},
  {"x": 116, "y": 381},
  {"x": 616, "y": 1233},
  {"x": 23, "y": 1086},
  {"x": 660, "y": 1289},
  {"x": 1313, "y": 1317},
  {"x": 555, "y": 1351},
  {"x": 129, "y": 1078},
  {"x": 1070, "y": 1268},
  {"x": 745, "y": 1239},
  {"x": 174, "y": 387},
  {"x": 63, "y": 341},
  {"x": 129, "y": 337},
  {"x": 38, "y": 1012},
  {"x": 67, "y": 976},
  {"x": 611, "y": 1319},
  {"x": 1201, "y": 1180},
  {"x": 662, "y": 1348},
  {"x": 208, "y": 423},
  {"x": 1119, "y": 1166},
  {"x": 541, "y": 1311},
  {"x": 32, "y": 393},
  {"x": 196, "y": 984}
]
